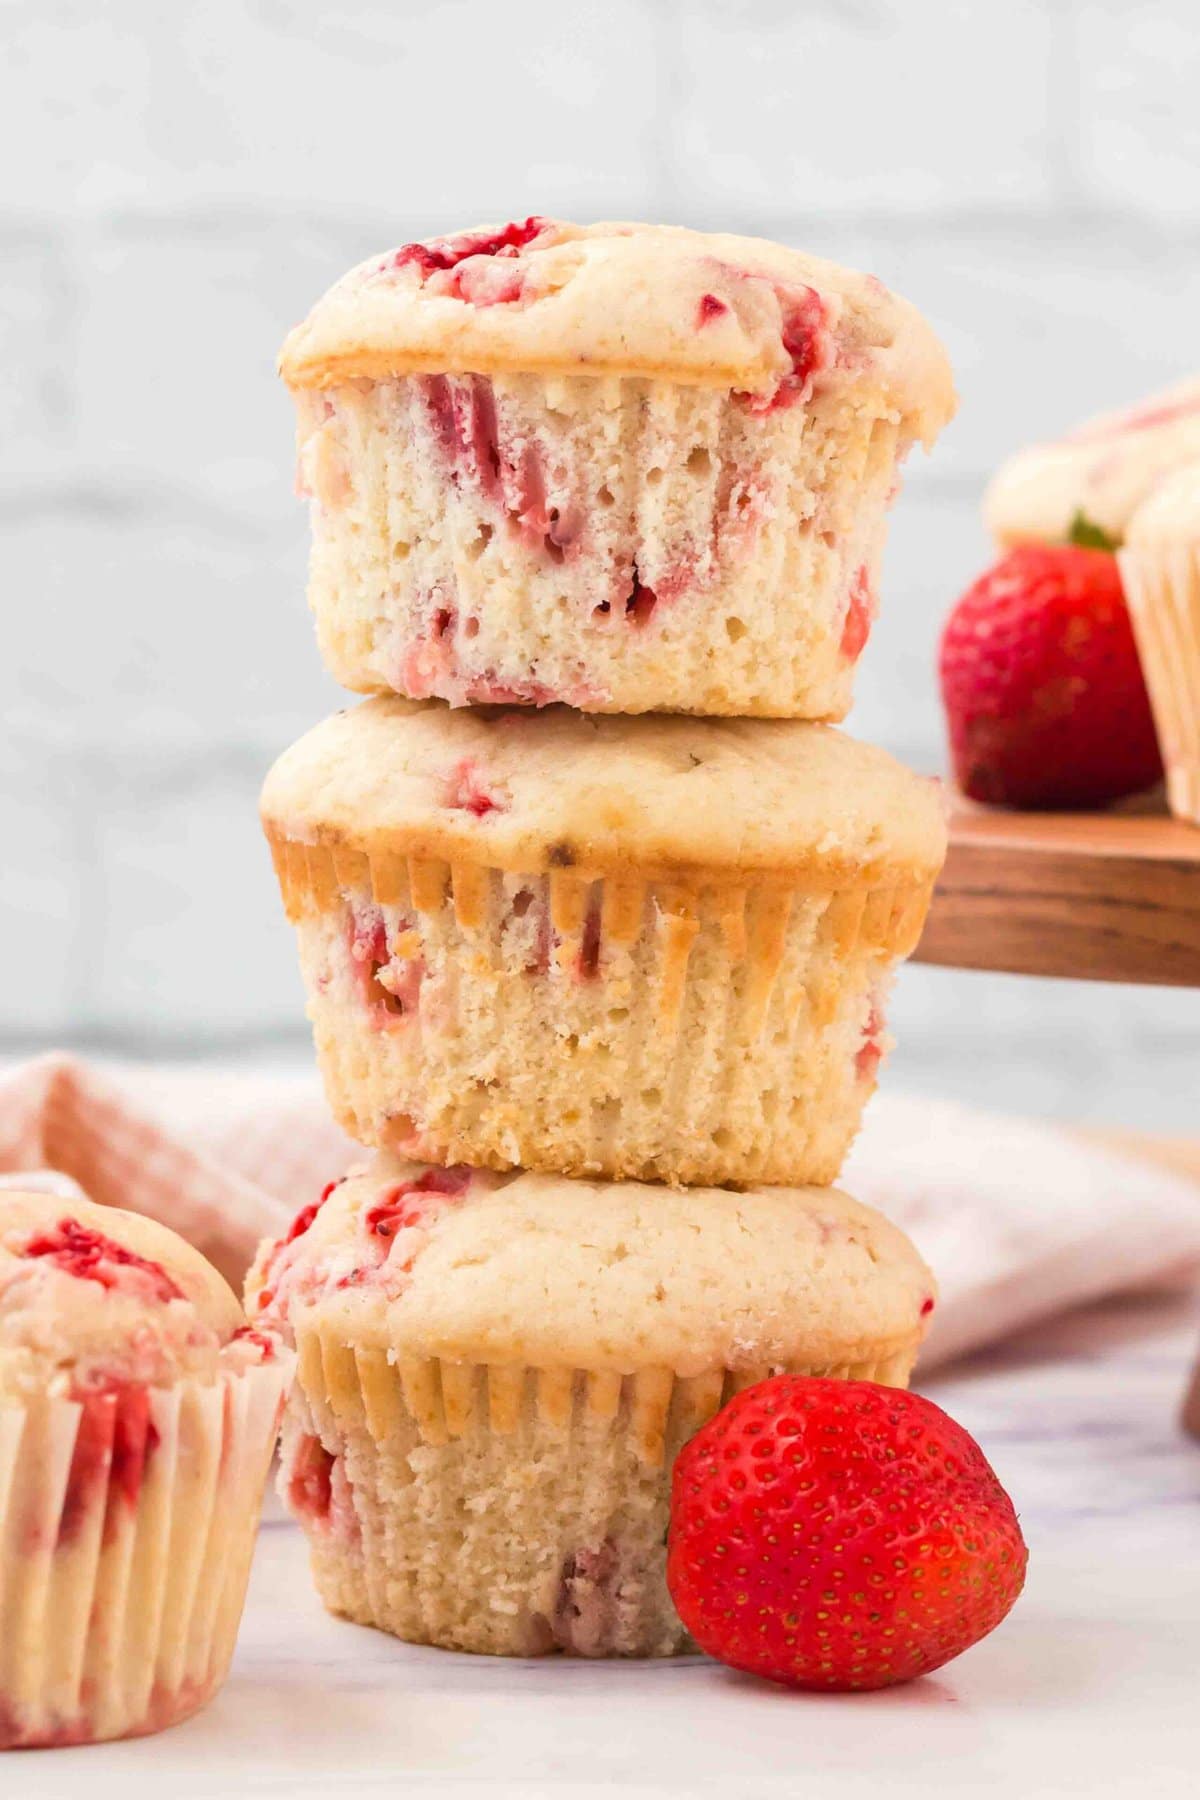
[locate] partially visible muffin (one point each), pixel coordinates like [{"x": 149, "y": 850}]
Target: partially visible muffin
[
  {"x": 653, "y": 947},
  {"x": 496, "y": 1373},
  {"x": 626, "y": 467},
  {"x": 1160, "y": 567},
  {"x": 138, "y": 1413},
  {"x": 1090, "y": 483}
]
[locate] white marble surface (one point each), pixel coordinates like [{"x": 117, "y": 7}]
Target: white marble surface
[{"x": 1091, "y": 1687}]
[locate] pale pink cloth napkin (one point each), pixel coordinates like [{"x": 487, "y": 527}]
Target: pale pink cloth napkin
[
  {"x": 1017, "y": 1220},
  {"x": 224, "y": 1162}
]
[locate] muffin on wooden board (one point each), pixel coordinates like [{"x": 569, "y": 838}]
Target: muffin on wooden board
[
  {"x": 1092, "y": 481},
  {"x": 1160, "y": 567}
]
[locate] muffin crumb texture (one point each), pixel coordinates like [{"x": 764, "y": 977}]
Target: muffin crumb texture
[
  {"x": 628, "y": 468},
  {"x": 648, "y": 948}
]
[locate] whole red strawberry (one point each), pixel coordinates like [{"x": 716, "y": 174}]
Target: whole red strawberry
[
  {"x": 1042, "y": 685},
  {"x": 839, "y": 1534}
]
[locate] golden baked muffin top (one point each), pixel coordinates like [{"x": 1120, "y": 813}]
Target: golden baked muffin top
[
  {"x": 1170, "y": 514},
  {"x": 604, "y": 794},
  {"x": 93, "y": 1296},
  {"x": 706, "y": 309},
  {"x": 1099, "y": 475},
  {"x": 538, "y": 1269}
]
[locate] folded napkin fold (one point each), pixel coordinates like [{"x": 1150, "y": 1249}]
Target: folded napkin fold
[
  {"x": 118, "y": 1138},
  {"x": 1017, "y": 1219}
]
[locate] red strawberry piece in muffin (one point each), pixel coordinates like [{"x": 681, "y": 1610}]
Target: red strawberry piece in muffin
[
  {"x": 389, "y": 1234},
  {"x": 115, "y": 1440},
  {"x": 309, "y": 1478},
  {"x": 587, "y": 965},
  {"x": 281, "y": 1255},
  {"x": 480, "y": 268},
  {"x": 115, "y": 1300},
  {"x": 468, "y": 790},
  {"x": 91, "y": 1256},
  {"x": 412, "y": 1203},
  {"x": 870, "y": 1052},
  {"x": 860, "y": 612},
  {"x": 806, "y": 339},
  {"x": 708, "y": 308},
  {"x": 440, "y": 254},
  {"x": 315, "y": 1483},
  {"x": 388, "y": 981},
  {"x": 639, "y": 603}
]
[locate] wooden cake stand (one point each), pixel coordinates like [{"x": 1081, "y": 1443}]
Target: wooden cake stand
[{"x": 1111, "y": 896}]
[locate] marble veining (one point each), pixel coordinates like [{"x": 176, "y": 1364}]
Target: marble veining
[{"x": 1090, "y": 1687}]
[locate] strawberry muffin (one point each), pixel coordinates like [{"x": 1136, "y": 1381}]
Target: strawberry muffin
[
  {"x": 627, "y": 467},
  {"x": 656, "y": 947},
  {"x": 1160, "y": 565},
  {"x": 496, "y": 1373},
  {"x": 1086, "y": 488},
  {"x": 138, "y": 1413}
]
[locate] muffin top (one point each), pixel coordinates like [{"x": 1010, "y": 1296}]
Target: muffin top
[
  {"x": 95, "y": 1297},
  {"x": 613, "y": 299},
  {"x": 603, "y": 794},
  {"x": 538, "y": 1269},
  {"x": 1171, "y": 512},
  {"x": 1100, "y": 474}
]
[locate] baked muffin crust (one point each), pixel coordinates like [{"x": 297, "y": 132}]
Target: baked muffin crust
[
  {"x": 557, "y": 790},
  {"x": 710, "y": 309}
]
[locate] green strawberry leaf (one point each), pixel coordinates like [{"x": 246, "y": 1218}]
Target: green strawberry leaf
[{"x": 1090, "y": 536}]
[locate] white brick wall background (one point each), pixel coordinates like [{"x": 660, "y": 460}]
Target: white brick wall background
[{"x": 179, "y": 184}]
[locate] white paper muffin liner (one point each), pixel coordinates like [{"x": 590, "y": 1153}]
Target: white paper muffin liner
[
  {"x": 620, "y": 544},
  {"x": 506, "y": 1510},
  {"x": 628, "y": 1028},
  {"x": 127, "y": 1525},
  {"x": 1162, "y": 586}
]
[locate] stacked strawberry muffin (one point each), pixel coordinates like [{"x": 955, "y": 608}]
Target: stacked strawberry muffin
[{"x": 600, "y": 982}]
